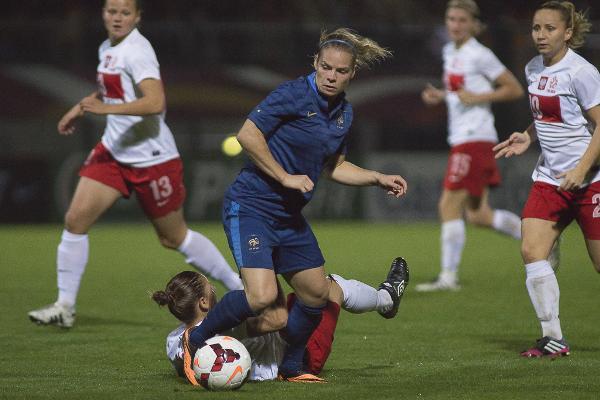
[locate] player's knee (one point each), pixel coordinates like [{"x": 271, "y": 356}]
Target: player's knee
[
  {"x": 168, "y": 242},
  {"x": 530, "y": 253},
  {"x": 475, "y": 218},
  {"x": 261, "y": 299},
  {"x": 73, "y": 221},
  {"x": 317, "y": 296}
]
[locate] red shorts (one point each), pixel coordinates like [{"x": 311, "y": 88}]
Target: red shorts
[
  {"x": 159, "y": 188},
  {"x": 546, "y": 202},
  {"x": 472, "y": 166}
]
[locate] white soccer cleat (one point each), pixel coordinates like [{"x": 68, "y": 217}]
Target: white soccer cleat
[
  {"x": 54, "y": 314},
  {"x": 554, "y": 256},
  {"x": 444, "y": 282}
]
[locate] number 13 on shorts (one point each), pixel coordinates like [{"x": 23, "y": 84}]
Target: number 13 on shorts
[{"x": 161, "y": 189}]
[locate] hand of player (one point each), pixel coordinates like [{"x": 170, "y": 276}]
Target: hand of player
[
  {"x": 432, "y": 95},
  {"x": 515, "y": 145},
  {"x": 298, "y": 182},
  {"x": 94, "y": 105},
  {"x": 467, "y": 98},
  {"x": 394, "y": 184},
  {"x": 66, "y": 125},
  {"x": 571, "y": 179}
]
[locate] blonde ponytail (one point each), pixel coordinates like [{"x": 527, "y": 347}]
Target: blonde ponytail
[{"x": 365, "y": 52}]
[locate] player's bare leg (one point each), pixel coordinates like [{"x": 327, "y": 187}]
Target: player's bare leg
[
  {"x": 198, "y": 250},
  {"x": 90, "y": 201},
  {"x": 479, "y": 212}
]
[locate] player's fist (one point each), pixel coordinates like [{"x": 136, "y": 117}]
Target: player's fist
[
  {"x": 394, "y": 184},
  {"x": 299, "y": 182}
]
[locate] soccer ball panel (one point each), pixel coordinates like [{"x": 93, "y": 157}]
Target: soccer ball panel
[{"x": 222, "y": 364}]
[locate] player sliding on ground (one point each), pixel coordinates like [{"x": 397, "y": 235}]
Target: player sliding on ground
[
  {"x": 189, "y": 296},
  {"x": 293, "y": 137}
]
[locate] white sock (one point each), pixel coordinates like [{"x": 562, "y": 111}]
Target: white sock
[
  {"x": 544, "y": 294},
  {"x": 507, "y": 223},
  {"x": 71, "y": 259},
  {"x": 360, "y": 297},
  {"x": 202, "y": 254},
  {"x": 453, "y": 239}
]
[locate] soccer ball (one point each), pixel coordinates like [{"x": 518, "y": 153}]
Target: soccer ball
[{"x": 222, "y": 364}]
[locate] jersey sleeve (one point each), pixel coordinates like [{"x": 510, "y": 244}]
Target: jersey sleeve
[
  {"x": 490, "y": 65},
  {"x": 278, "y": 106},
  {"x": 586, "y": 85},
  {"x": 143, "y": 64}
]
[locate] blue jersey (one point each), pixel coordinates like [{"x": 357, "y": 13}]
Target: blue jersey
[{"x": 303, "y": 132}]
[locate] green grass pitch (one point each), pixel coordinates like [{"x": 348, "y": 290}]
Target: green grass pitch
[{"x": 460, "y": 345}]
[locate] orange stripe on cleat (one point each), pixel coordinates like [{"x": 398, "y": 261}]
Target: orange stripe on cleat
[
  {"x": 187, "y": 359},
  {"x": 304, "y": 378}
]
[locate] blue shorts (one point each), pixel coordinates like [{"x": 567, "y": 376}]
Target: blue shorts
[{"x": 259, "y": 242}]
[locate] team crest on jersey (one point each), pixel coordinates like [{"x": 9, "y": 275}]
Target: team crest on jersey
[
  {"x": 253, "y": 243},
  {"x": 542, "y": 84},
  {"x": 109, "y": 61},
  {"x": 552, "y": 83},
  {"x": 340, "y": 120}
]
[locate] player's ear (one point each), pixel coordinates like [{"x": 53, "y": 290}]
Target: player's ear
[
  {"x": 568, "y": 34},
  {"x": 204, "y": 304}
]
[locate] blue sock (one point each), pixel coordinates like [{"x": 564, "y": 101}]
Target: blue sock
[
  {"x": 229, "y": 312},
  {"x": 302, "y": 321}
]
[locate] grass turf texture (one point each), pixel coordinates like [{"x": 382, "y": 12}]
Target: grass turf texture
[{"x": 460, "y": 345}]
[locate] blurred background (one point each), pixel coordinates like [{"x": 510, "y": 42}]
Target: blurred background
[{"x": 218, "y": 60}]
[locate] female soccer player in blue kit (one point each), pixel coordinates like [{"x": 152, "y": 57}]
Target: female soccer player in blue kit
[{"x": 292, "y": 137}]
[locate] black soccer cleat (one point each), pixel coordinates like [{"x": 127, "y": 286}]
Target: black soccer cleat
[
  {"x": 395, "y": 284},
  {"x": 548, "y": 347}
]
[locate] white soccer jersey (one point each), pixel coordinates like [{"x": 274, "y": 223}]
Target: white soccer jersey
[
  {"x": 133, "y": 140},
  {"x": 558, "y": 95},
  {"x": 472, "y": 67},
  {"x": 266, "y": 352}
]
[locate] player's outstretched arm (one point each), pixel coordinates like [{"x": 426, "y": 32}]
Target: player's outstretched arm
[
  {"x": 516, "y": 144},
  {"x": 346, "y": 173}
]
